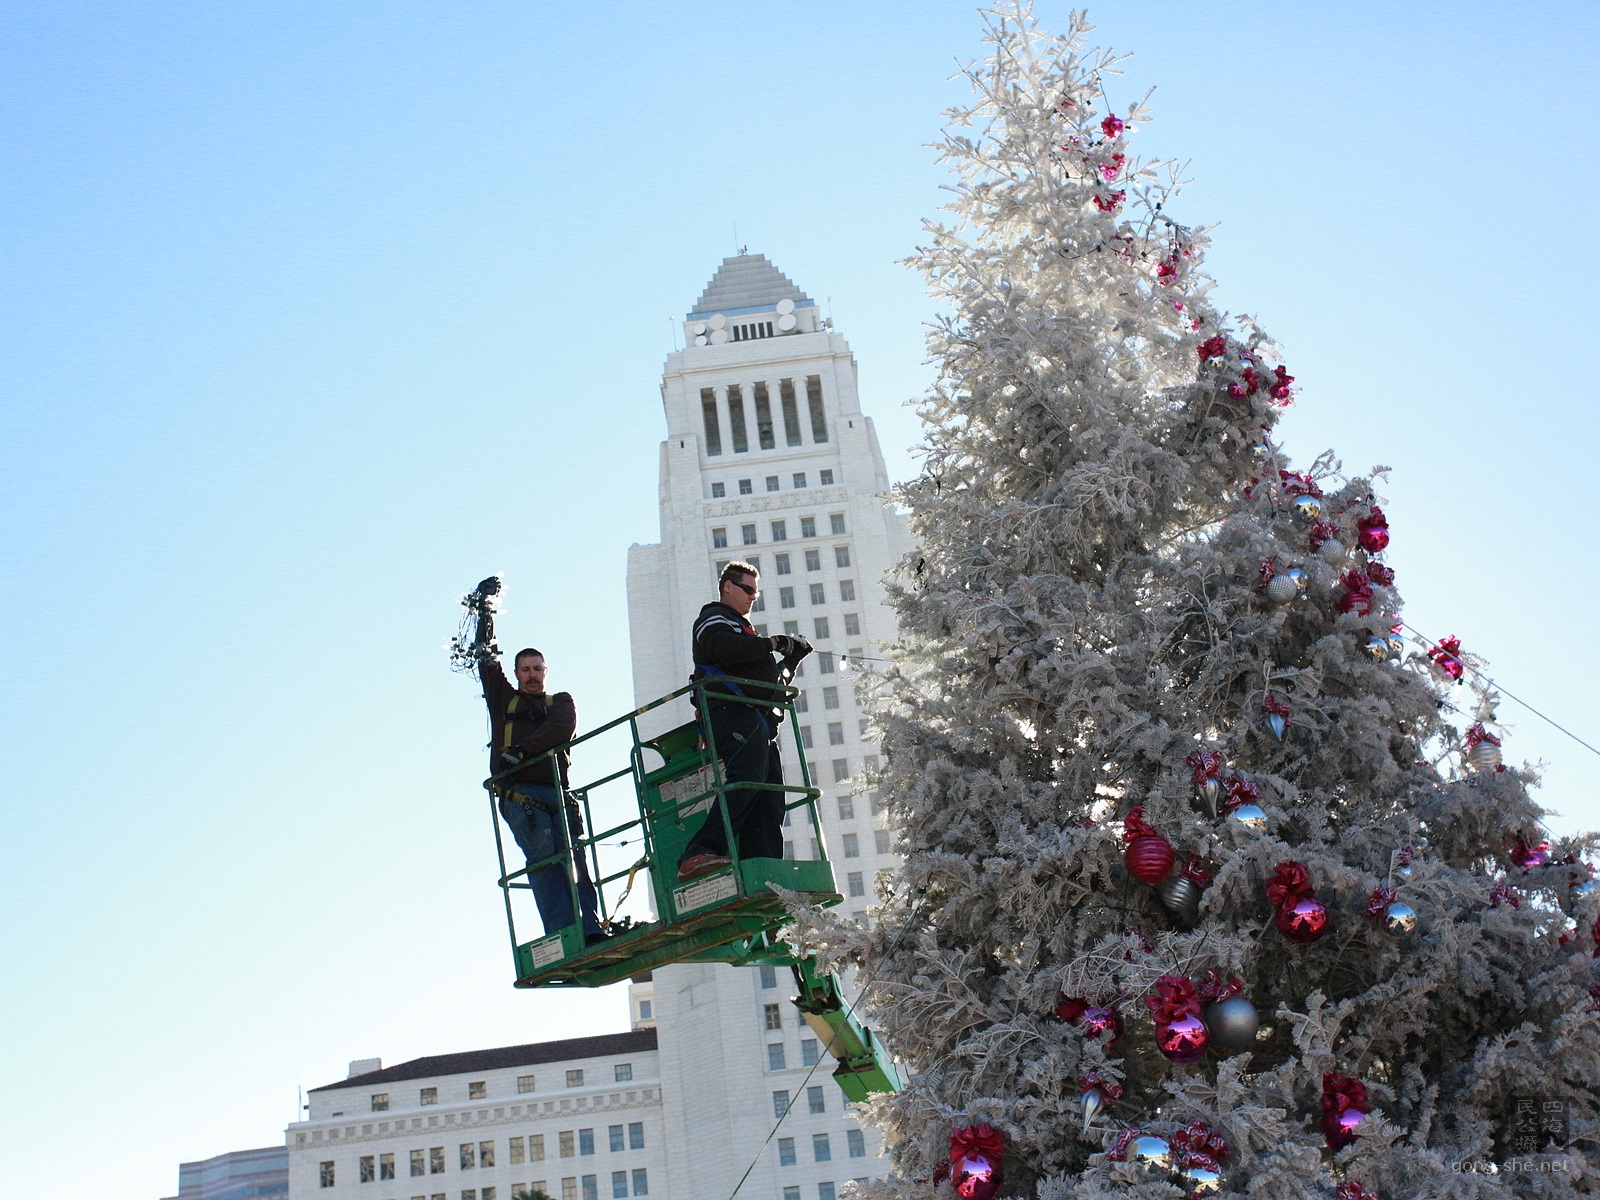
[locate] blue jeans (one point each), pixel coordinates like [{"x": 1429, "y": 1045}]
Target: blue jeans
[
  {"x": 534, "y": 814},
  {"x": 748, "y": 746}
]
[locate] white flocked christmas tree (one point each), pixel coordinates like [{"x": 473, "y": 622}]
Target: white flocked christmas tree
[{"x": 1159, "y": 760}]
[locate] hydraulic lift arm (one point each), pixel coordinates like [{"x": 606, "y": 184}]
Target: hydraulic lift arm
[{"x": 864, "y": 1066}]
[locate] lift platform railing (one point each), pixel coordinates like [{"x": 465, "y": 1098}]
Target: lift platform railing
[{"x": 728, "y": 915}]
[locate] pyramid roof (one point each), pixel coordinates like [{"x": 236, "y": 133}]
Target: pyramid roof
[{"x": 745, "y": 282}]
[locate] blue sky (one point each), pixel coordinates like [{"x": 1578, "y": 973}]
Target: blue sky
[{"x": 313, "y": 315}]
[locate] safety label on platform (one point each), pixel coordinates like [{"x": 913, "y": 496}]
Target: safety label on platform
[
  {"x": 547, "y": 950},
  {"x": 705, "y": 891},
  {"x": 676, "y": 791}
]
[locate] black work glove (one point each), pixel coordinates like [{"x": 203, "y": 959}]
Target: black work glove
[
  {"x": 790, "y": 646},
  {"x": 489, "y": 587}
]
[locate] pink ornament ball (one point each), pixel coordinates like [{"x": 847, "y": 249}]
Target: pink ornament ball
[
  {"x": 1149, "y": 858},
  {"x": 1183, "y": 1040},
  {"x": 1304, "y": 921},
  {"x": 1097, "y": 1021},
  {"x": 976, "y": 1178}
]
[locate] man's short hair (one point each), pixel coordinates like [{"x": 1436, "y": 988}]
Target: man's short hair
[
  {"x": 735, "y": 571},
  {"x": 525, "y": 652}
]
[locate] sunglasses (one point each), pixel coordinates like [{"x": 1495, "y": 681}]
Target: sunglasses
[{"x": 745, "y": 588}]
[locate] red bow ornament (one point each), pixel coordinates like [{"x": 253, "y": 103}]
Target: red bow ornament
[
  {"x": 1447, "y": 656},
  {"x": 1180, "y": 1033},
  {"x": 975, "y": 1159},
  {"x": 1344, "y": 1107},
  {"x": 1372, "y": 531}
]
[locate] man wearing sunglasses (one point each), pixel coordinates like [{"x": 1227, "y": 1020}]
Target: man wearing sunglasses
[{"x": 746, "y": 734}]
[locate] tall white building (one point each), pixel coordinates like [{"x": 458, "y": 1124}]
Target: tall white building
[{"x": 768, "y": 458}]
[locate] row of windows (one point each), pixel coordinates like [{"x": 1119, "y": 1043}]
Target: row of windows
[
  {"x": 780, "y": 533},
  {"x": 479, "y": 1089},
  {"x": 825, "y": 1191},
  {"x": 822, "y": 1148},
  {"x": 574, "y": 1187},
  {"x": 798, "y": 481},
  {"x": 766, "y": 431},
  {"x": 785, "y": 566},
  {"x": 882, "y": 843}
]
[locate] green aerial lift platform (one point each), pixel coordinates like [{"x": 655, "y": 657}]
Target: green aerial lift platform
[{"x": 730, "y": 916}]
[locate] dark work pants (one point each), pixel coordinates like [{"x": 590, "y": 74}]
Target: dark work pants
[
  {"x": 748, "y": 745},
  {"x": 534, "y": 814}
]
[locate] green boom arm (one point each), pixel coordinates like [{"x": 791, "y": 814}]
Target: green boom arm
[{"x": 863, "y": 1067}]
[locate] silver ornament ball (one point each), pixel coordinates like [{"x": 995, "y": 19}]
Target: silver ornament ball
[
  {"x": 1399, "y": 920},
  {"x": 1485, "y": 756},
  {"x": 1181, "y": 897},
  {"x": 1302, "y": 581},
  {"x": 1251, "y": 816},
  {"x": 1586, "y": 888},
  {"x": 1331, "y": 551},
  {"x": 1378, "y": 649},
  {"x": 1211, "y": 796},
  {"x": 1306, "y": 508},
  {"x": 1232, "y": 1024},
  {"x": 1281, "y": 589},
  {"x": 1202, "y": 1181},
  {"x": 1151, "y": 1150}
]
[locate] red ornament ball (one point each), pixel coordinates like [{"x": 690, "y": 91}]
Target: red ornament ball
[
  {"x": 1303, "y": 921},
  {"x": 976, "y": 1178},
  {"x": 1097, "y": 1021},
  {"x": 1149, "y": 858},
  {"x": 1340, "y": 1127},
  {"x": 1184, "y": 1040}
]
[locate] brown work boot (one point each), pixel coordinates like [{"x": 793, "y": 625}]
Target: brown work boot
[{"x": 697, "y": 865}]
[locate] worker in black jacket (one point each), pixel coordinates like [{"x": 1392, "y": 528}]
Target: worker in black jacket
[
  {"x": 745, "y": 735},
  {"x": 524, "y": 723}
]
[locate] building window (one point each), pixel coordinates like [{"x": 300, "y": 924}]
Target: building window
[
  {"x": 856, "y": 885},
  {"x": 644, "y": 1010},
  {"x": 764, "y": 420},
  {"x": 825, "y": 664},
  {"x": 805, "y": 736},
  {"x": 615, "y": 1140},
  {"x": 768, "y": 977},
  {"x": 792, "y": 628},
  {"x": 772, "y": 480},
  {"x": 830, "y": 697},
  {"x": 826, "y": 479},
  {"x": 367, "y": 1169},
  {"x": 741, "y": 440},
  {"x": 622, "y": 1073},
  {"x": 869, "y": 762},
  {"x": 486, "y": 1154},
  {"x": 791, "y": 1193},
  {"x": 719, "y": 538},
  {"x": 641, "y": 1181},
  {"x": 619, "y": 1184},
  {"x": 791, "y": 415},
  {"x": 536, "y": 1147},
  {"x": 525, "y": 1083},
  {"x": 852, "y": 625},
  {"x": 748, "y": 534},
  {"x": 469, "y": 1156},
  {"x": 857, "y": 1141},
  {"x": 325, "y": 1174},
  {"x": 575, "y": 1078},
  {"x": 820, "y": 624},
  {"x": 819, "y": 1147},
  {"x": 517, "y": 1153},
  {"x": 782, "y": 561},
  {"x": 799, "y": 479},
  {"x": 478, "y": 1090},
  {"x": 800, "y": 704},
  {"x": 775, "y": 1057},
  {"x": 847, "y": 589},
  {"x": 569, "y": 1188},
  {"x": 385, "y": 1166},
  {"x": 786, "y": 1156},
  {"x": 744, "y": 487},
  {"x": 808, "y": 1058},
  {"x": 852, "y": 844},
  {"x": 591, "y": 1187},
  {"x": 585, "y": 1141},
  {"x": 825, "y": 1192},
  {"x": 780, "y": 531},
  {"x": 772, "y": 1014},
  {"x": 847, "y": 809},
  {"x": 380, "y": 1102},
  {"x": 708, "y": 406},
  {"x": 435, "y": 1160},
  {"x": 813, "y": 559},
  {"x": 756, "y": 329},
  {"x": 841, "y": 556},
  {"x": 418, "y": 1167},
  {"x": 635, "y": 1135},
  {"x": 880, "y": 841},
  {"x": 780, "y": 1104},
  {"x": 566, "y": 1146},
  {"x": 835, "y": 733},
  {"x": 819, "y": 423},
  {"x": 718, "y": 490},
  {"x": 429, "y": 1096},
  {"x": 819, "y": 593},
  {"x": 786, "y": 597},
  {"x": 836, "y": 523},
  {"x": 808, "y": 528}
]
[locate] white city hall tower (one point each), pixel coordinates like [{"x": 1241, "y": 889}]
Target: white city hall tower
[{"x": 768, "y": 458}]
